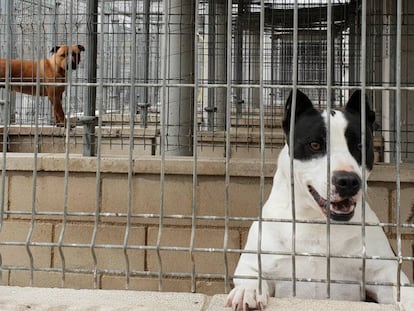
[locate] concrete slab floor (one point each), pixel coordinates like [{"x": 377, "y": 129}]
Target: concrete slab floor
[{"x": 53, "y": 299}]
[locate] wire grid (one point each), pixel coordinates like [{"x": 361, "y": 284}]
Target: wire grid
[
  {"x": 201, "y": 94},
  {"x": 115, "y": 72}
]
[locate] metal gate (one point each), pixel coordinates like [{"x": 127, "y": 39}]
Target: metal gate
[{"x": 176, "y": 95}]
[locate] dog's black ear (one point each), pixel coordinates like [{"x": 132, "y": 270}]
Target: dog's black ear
[
  {"x": 55, "y": 49},
  {"x": 354, "y": 106},
  {"x": 303, "y": 103},
  {"x": 81, "y": 47}
]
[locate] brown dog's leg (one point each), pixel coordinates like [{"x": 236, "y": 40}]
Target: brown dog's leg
[{"x": 55, "y": 98}]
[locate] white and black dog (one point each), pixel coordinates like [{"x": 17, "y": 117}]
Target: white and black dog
[{"x": 311, "y": 204}]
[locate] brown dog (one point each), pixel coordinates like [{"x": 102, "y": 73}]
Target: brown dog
[{"x": 52, "y": 70}]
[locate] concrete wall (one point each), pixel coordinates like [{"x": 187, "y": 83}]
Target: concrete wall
[{"x": 113, "y": 204}]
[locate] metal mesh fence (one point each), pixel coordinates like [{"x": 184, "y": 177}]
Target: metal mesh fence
[{"x": 205, "y": 81}]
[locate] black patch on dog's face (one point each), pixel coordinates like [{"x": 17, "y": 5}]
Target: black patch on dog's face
[
  {"x": 310, "y": 128},
  {"x": 353, "y": 131}
]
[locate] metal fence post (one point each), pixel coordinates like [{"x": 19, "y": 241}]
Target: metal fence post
[
  {"x": 180, "y": 71},
  {"x": 90, "y": 103},
  {"x": 8, "y": 98}
]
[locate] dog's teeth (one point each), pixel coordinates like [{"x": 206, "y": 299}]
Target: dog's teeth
[{"x": 336, "y": 206}]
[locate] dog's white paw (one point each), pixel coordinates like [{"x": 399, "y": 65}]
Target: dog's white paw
[{"x": 243, "y": 298}]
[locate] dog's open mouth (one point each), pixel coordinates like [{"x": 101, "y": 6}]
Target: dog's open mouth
[{"x": 342, "y": 210}]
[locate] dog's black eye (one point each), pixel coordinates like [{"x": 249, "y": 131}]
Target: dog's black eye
[{"x": 315, "y": 146}]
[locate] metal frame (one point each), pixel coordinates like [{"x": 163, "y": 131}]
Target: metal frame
[{"x": 231, "y": 86}]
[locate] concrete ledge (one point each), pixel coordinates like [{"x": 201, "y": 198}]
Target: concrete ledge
[
  {"x": 20, "y": 298},
  {"x": 294, "y": 304},
  {"x": 175, "y": 165},
  {"x": 36, "y": 299}
]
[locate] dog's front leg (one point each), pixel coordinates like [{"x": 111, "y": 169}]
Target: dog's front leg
[
  {"x": 55, "y": 97},
  {"x": 385, "y": 271},
  {"x": 246, "y": 294}
]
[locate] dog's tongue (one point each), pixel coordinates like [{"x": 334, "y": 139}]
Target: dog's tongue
[{"x": 344, "y": 206}]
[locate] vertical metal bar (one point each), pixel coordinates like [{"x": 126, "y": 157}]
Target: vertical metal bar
[
  {"x": 90, "y": 103},
  {"x": 107, "y": 45},
  {"x": 36, "y": 147},
  {"x": 8, "y": 5},
  {"x": 398, "y": 144},
  {"x": 220, "y": 64},
  {"x": 55, "y": 23},
  {"x": 238, "y": 56},
  {"x": 116, "y": 59},
  {"x": 163, "y": 132},
  {"x": 387, "y": 57},
  {"x": 98, "y": 149},
  {"x": 227, "y": 159},
  {"x": 55, "y": 31},
  {"x": 9, "y": 14},
  {"x": 363, "y": 140},
  {"x": 146, "y": 21},
  {"x": 328, "y": 144},
  {"x": 262, "y": 144},
  {"x": 131, "y": 136},
  {"x": 67, "y": 150},
  {"x": 195, "y": 157},
  {"x": 211, "y": 52},
  {"x": 10, "y": 36},
  {"x": 291, "y": 140}
]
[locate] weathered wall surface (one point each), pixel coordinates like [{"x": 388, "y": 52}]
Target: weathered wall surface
[{"x": 108, "y": 230}]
